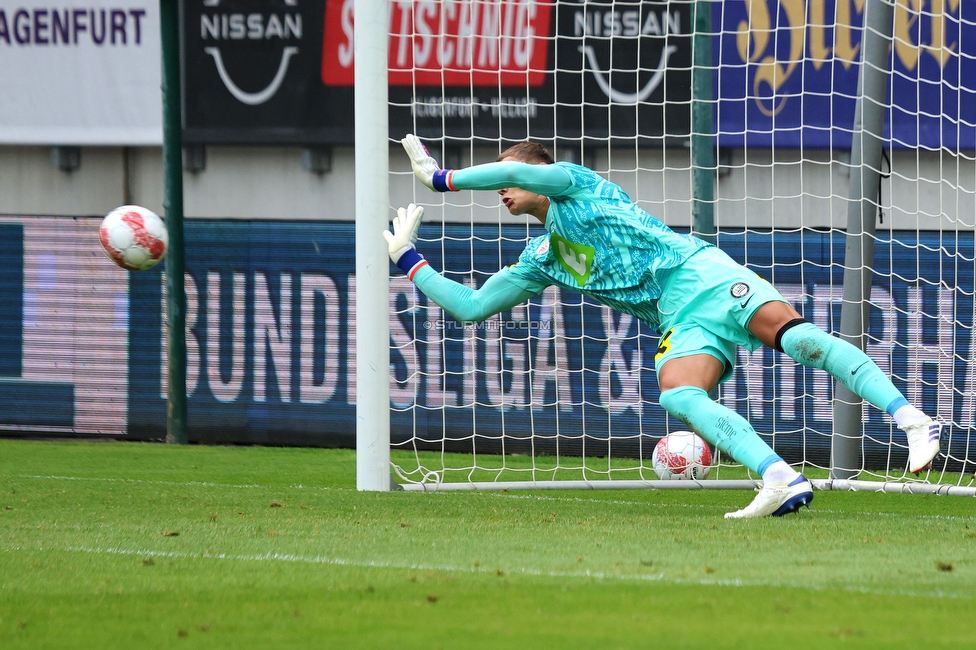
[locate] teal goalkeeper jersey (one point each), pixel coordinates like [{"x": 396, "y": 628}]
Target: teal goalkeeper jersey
[{"x": 599, "y": 242}]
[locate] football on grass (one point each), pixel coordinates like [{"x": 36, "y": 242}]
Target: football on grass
[
  {"x": 681, "y": 455},
  {"x": 134, "y": 237}
]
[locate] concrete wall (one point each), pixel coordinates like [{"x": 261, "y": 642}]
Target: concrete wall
[{"x": 756, "y": 188}]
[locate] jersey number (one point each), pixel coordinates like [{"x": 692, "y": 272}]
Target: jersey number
[
  {"x": 663, "y": 345},
  {"x": 577, "y": 259}
]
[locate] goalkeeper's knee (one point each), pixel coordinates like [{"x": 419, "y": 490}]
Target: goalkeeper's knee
[{"x": 811, "y": 346}]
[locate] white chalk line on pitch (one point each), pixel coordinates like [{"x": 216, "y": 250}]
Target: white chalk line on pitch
[
  {"x": 498, "y": 495},
  {"x": 178, "y": 483},
  {"x": 523, "y": 571}
]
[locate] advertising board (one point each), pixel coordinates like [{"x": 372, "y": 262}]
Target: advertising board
[
  {"x": 283, "y": 71},
  {"x": 80, "y": 72},
  {"x": 87, "y": 72},
  {"x": 788, "y": 74},
  {"x": 271, "y": 340}
]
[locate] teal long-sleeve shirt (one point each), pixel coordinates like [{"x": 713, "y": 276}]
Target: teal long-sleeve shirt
[
  {"x": 598, "y": 242},
  {"x": 499, "y": 293}
]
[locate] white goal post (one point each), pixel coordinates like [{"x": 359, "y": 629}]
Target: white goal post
[{"x": 831, "y": 148}]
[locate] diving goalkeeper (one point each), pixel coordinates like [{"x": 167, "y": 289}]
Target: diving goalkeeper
[{"x": 703, "y": 303}]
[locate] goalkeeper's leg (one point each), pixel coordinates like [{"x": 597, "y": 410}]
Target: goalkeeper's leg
[
  {"x": 812, "y": 347},
  {"x": 784, "y": 489}
]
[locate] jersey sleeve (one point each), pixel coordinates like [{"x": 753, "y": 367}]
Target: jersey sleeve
[
  {"x": 500, "y": 292},
  {"x": 550, "y": 180}
]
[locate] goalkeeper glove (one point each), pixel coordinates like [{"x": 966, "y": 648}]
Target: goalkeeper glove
[
  {"x": 402, "y": 241},
  {"x": 425, "y": 168}
]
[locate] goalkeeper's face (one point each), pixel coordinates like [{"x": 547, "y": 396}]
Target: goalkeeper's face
[{"x": 519, "y": 201}]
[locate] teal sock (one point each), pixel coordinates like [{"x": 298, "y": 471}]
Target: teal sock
[
  {"x": 814, "y": 348},
  {"x": 720, "y": 426}
]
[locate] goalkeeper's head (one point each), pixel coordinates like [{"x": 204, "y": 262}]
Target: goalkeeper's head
[
  {"x": 527, "y": 152},
  {"x": 520, "y": 201}
]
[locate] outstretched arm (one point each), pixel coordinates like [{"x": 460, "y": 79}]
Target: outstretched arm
[
  {"x": 548, "y": 180},
  {"x": 500, "y": 291},
  {"x": 468, "y": 305}
]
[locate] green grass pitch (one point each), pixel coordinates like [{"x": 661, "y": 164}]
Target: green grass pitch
[{"x": 127, "y": 545}]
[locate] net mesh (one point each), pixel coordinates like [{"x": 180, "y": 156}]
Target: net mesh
[{"x": 562, "y": 388}]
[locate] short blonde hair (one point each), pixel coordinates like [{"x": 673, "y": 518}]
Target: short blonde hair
[{"x": 528, "y": 152}]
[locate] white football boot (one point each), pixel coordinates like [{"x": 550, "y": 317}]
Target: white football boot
[
  {"x": 777, "y": 499},
  {"x": 923, "y": 444}
]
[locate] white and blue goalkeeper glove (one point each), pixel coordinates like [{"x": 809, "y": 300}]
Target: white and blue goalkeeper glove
[
  {"x": 403, "y": 239},
  {"x": 425, "y": 168}
]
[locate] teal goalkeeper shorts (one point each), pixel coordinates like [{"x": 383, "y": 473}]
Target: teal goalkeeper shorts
[{"x": 705, "y": 308}]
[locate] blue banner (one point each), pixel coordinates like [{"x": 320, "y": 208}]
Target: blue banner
[
  {"x": 788, "y": 73},
  {"x": 272, "y": 348},
  {"x": 271, "y": 343}
]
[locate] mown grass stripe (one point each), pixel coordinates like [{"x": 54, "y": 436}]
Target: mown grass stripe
[{"x": 523, "y": 571}]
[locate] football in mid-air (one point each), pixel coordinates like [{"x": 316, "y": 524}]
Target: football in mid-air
[
  {"x": 134, "y": 237},
  {"x": 681, "y": 455}
]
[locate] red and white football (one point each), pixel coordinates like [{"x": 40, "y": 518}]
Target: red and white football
[
  {"x": 134, "y": 237},
  {"x": 681, "y": 455}
]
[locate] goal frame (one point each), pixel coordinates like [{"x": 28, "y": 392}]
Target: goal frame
[
  {"x": 373, "y": 209},
  {"x": 372, "y": 291},
  {"x": 887, "y": 487}
]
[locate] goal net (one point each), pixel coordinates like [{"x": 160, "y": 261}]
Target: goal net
[{"x": 561, "y": 391}]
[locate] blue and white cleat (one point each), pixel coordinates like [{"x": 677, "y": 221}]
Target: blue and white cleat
[
  {"x": 777, "y": 499},
  {"x": 923, "y": 444}
]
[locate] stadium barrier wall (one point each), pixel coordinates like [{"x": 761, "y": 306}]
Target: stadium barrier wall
[{"x": 271, "y": 347}]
